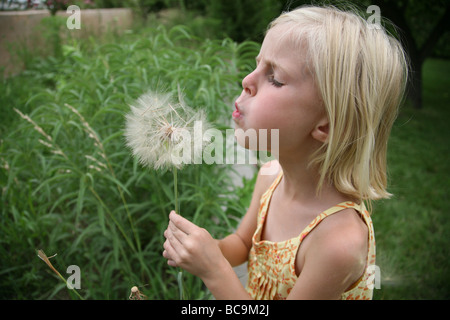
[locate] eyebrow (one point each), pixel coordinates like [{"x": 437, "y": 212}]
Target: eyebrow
[{"x": 272, "y": 64}]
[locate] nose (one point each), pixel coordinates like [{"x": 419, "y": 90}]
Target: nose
[{"x": 249, "y": 84}]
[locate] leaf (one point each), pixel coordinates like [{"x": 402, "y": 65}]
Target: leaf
[
  {"x": 80, "y": 198},
  {"x": 117, "y": 182}
]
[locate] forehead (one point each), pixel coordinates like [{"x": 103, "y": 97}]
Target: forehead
[{"x": 279, "y": 47}]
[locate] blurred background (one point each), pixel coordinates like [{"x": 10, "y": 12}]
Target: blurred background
[{"x": 70, "y": 187}]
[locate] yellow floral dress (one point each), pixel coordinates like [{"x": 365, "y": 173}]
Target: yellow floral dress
[{"x": 271, "y": 265}]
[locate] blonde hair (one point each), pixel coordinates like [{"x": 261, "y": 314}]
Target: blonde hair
[{"x": 360, "y": 72}]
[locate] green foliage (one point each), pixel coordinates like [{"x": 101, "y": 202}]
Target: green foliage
[
  {"x": 55, "y": 5},
  {"x": 52, "y": 28},
  {"x": 107, "y": 214},
  {"x": 412, "y": 229},
  {"x": 243, "y": 20},
  {"x": 70, "y": 185}
]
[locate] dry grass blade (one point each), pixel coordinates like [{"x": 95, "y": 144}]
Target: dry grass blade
[{"x": 41, "y": 254}]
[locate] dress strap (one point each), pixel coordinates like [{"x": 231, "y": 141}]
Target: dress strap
[
  {"x": 266, "y": 197},
  {"x": 273, "y": 186},
  {"x": 337, "y": 208}
]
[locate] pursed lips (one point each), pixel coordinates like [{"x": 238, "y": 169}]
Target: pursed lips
[{"x": 236, "y": 112}]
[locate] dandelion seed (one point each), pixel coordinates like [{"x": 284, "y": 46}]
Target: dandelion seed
[{"x": 160, "y": 131}]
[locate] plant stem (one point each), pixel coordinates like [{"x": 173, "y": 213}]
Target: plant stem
[
  {"x": 67, "y": 285},
  {"x": 175, "y": 189},
  {"x": 130, "y": 243},
  {"x": 177, "y": 210},
  {"x": 180, "y": 283}
]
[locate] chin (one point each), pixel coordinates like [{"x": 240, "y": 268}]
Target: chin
[{"x": 257, "y": 140}]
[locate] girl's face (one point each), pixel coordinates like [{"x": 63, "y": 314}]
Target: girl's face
[{"x": 280, "y": 94}]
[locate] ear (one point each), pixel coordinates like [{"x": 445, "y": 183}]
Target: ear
[{"x": 320, "y": 131}]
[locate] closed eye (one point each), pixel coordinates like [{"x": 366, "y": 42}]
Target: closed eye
[{"x": 274, "y": 82}]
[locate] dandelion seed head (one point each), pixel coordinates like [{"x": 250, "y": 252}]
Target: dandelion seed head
[
  {"x": 157, "y": 126},
  {"x": 136, "y": 294}
]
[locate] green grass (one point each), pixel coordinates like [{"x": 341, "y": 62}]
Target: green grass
[
  {"x": 106, "y": 214},
  {"x": 69, "y": 184},
  {"x": 412, "y": 229}
]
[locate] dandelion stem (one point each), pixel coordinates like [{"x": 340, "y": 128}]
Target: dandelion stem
[
  {"x": 177, "y": 210},
  {"x": 175, "y": 189},
  {"x": 180, "y": 283}
]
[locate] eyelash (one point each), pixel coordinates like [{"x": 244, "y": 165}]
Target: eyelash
[{"x": 274, "y": 82}]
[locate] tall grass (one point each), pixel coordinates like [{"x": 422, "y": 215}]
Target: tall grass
[{"x": 71, "y": 187}]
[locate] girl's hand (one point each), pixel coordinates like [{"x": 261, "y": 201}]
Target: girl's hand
[{"x": 192, "y": 248}]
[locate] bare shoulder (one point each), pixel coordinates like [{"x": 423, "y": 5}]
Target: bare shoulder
[
  {"x": 342, "y": 241},
  {"x": 334, "y": 257},
  {"x": 347, "y": 224}
]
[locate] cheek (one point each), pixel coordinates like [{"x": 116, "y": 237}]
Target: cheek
[{"x": 268, "y": 113}]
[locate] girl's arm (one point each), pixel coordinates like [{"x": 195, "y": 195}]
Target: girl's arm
[
  {"x": 236, "y": 246},
  {"x": 193, "y": 249}
]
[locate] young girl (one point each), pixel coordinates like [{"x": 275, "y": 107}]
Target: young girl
[{"x": 331, "y": 84}]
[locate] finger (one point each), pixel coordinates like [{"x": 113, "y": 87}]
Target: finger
[
  {"x": 173, "y": 246},
  {"x": 173, "y": 232},
  {"x": 181, "y": 223},
  {"x": 166, "y": 254},
  {"x": 177, "y": 233},
  {"x": 170, "y": 262},
  {"x": 169, "y": 253}
]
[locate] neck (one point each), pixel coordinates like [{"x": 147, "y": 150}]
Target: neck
[{"x": 300, "y": 182}]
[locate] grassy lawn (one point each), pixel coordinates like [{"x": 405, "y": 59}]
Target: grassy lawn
[{"x": 412, "y": 228}]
